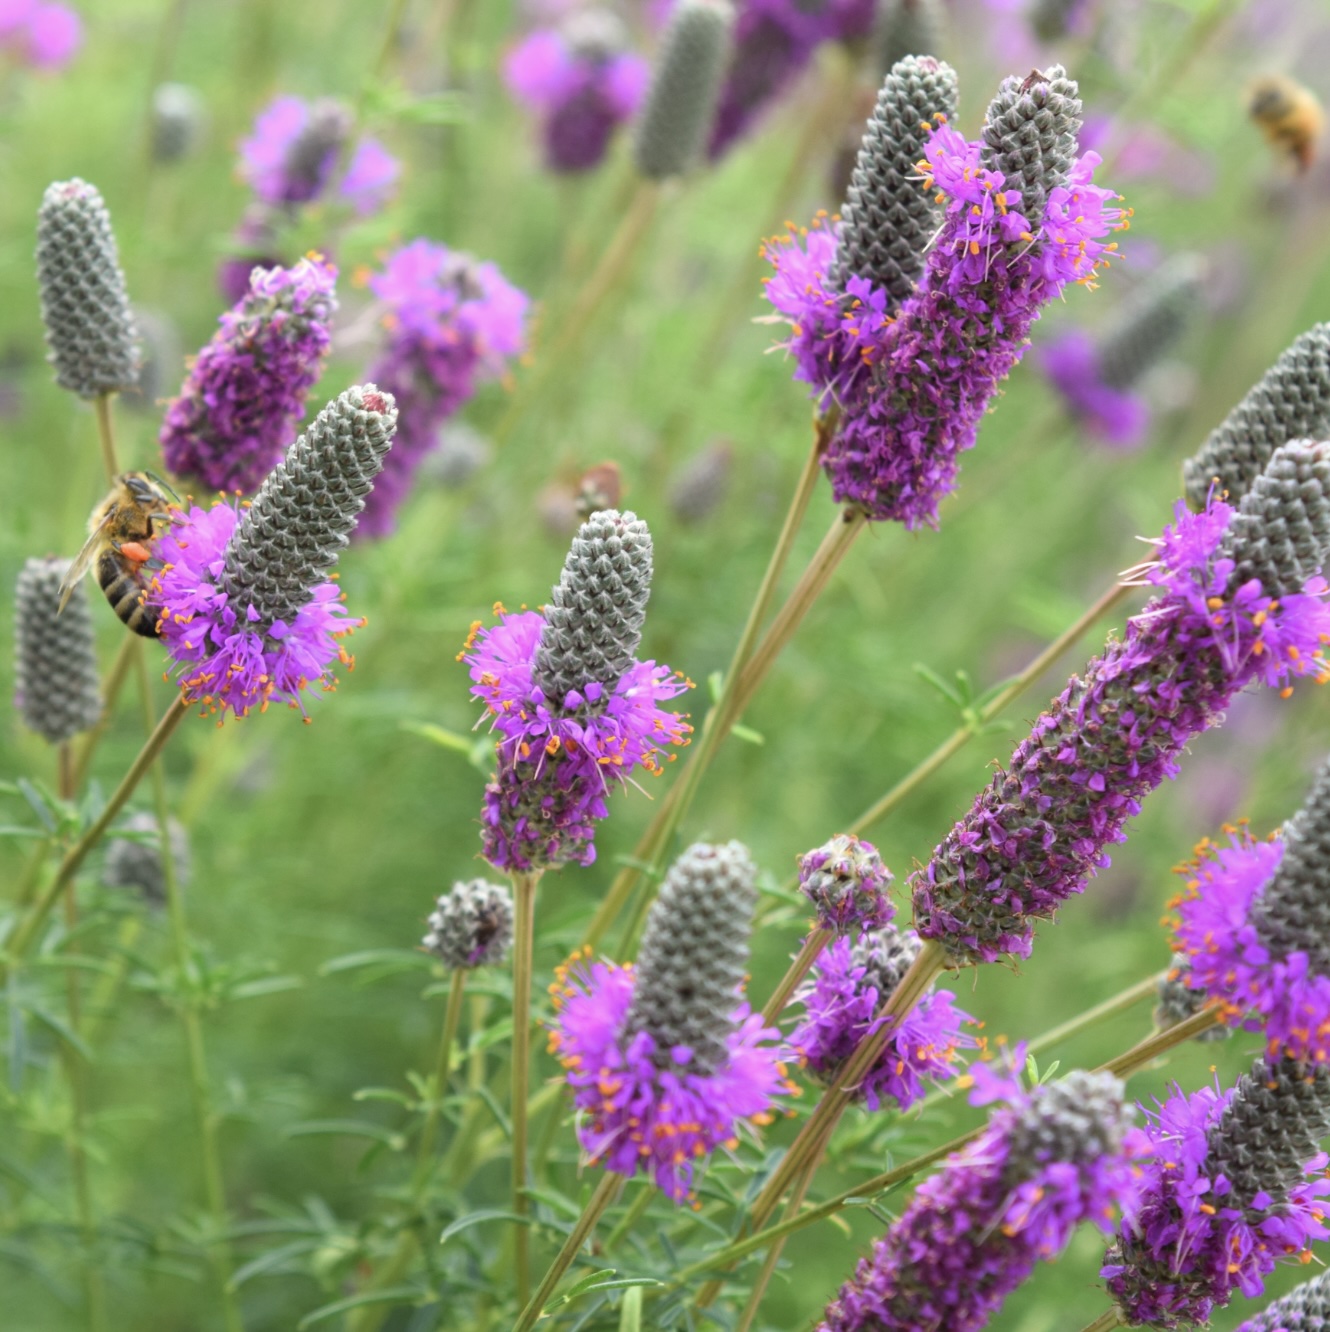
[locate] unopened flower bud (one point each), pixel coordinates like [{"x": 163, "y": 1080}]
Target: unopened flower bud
[
  {"x": 694, "y": 955},
  {"x": 56, "y": 659},
  {"x": 594, "y": 618},
  {"x": 888, "y": 218},
  {"x": 1290, "y": 401},
  {"x": 138, "y": 864},
  {"x": 177, "y": 121},
  {"x": 1151, "y": 321},
  {"x": 685, "y": 88},
  {"x": 1030, "y": 134},
  {"x": 85, "y": 308},
  {"x": 472, "y": 926}
]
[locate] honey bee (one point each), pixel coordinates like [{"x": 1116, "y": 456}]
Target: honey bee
[
  {"x": 120, "y": 534},
  {"x": 1289, "y": 115}
]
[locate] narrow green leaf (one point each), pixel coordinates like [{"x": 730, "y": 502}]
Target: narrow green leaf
[
  {"x": 351, "y": 1128},
  {"x": 476, "y": 1218},
  {"x": 630, "y": 1312},
  {"x": 392, "y": 1295}
]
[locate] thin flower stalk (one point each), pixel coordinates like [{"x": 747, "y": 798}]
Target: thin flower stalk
[{"x": 524, "y": 927}]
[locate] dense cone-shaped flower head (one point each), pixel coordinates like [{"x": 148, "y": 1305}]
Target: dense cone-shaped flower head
[
  {"x": 575, "y": 712},
  {"x": 685, "y": 87},
  {"x": 245, "y": 394},
  {"x": 582, "y": 81},
  {"x": 907, "y": 28},
  {"x": 471, "y": 926},
  {"x": 1180, "y": 998},
  {"x": 1234, "y": 1185},
  {"x": 912, "y": 382},
  {"x": 847, "y": 884},
  {"x": 1306, "y": 1308},
  {"x": 55, "y": 656},
  {"x": 665, "y": 1060},
  {"x": 452, "y": 323},
  {"x": 177, "y": 121},
  {"x": 246, "y": 609},
  {"x": 137, "y": 863},
  {"x": 1237, "y": 601},
  {"x": 1290, "y": 401},
  {"x": 851, "y": 982},
  {"x": 1253, "y": 922},
  {"x": 1048, "y": 1160},
  {"x": 888, "y": 217},
  {"x": 85, "y": 308},
  {"x": 1096, "y": 379}
]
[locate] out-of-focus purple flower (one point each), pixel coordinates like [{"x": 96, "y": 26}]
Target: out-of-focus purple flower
[
  {"x": 245, "y": 393},
  {"x": 913, "y": 383},
  {"x": 1041, "y": 829},
  {"x": 370, "y": 176},
  {"x": 1071, "y": 363},
  {"x": 452, "y": 324},
  {"x": 847, "y": 884},
  {"x": 264, "y": 156},
  {"x": 582, "y": 82},
  {"x": 244, "y": 604},
  {"x": 1048, "y": 1160},
  {"x": 1251, "y": 919},
  {"x": 851, "y": 982},
  {"x": 1145, "y": 152},
  {"x": 50, "y": 35},
  {"x": 1227, "y": 1194}
]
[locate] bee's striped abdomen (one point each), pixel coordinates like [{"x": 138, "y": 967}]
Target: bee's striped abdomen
[{"x": 119, "y": 579}]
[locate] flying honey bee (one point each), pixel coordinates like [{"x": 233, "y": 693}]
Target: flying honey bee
[
  {"x": 120, "y": 534},
  {"x": 1289, "y": 115}
]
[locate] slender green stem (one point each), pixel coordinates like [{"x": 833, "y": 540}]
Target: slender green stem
[
  {"x": 32, "y": 872},
  {"x": 101, "y": 405},
  {"x": 646, "y": 1194},
  {"x": 114, "y": 682},
  {"x": 391, "y": 29},
  {"x": 1107, "y": 1320},
  {"x": 524, "y": 898},
  {"x": 813, "y": 945},
  {"x": 651, "y": 846},
  {"x": 1160, "y": 1042},
  {"x": 21, "y": 940},
  {"x": 214, "y": 1188},
  {"x": 606, "y": 1192},
  {"x": 439, "y": 1082},
  {"x": 615, "y": 264}
]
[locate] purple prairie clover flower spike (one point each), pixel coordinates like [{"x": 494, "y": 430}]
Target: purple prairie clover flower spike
[
  {"x": 575, "y": 711},
  {"x": 1234, "y": 1186},
  {"x": 85, "y": 308},
  {"x": 583, "y": 83},
  {"x": 912, "y": 384},
  {"x": 1096, "y": 378},
  {"x": 685, "y": 88},
  {"x": 1290, "y": 401},
  {"x": 907, "y": 28},
  {"x": 1237, "y": 601},
  {"x": 472, "y": 926},
  {"x": 851, "y": 982},
  {"x": 245, "y": 606},
  {"x": 1252, "y": 920},
  {"x": 245, "y": 393},
  {"x": 452, "y": 324},
  {"x": 847, "y": 884},
  {"x": 665, "y": 1059},
  {"x": 137, "y": 864},
  {"x": 292, "y": 153},
  {"x": 1048, "y": 1160},
  {"x": 56, "y": 684},
  {"x": 1179, "y": 998},
  {"x": 177, "y": 121},
  {"x": 888, "y": 218},
  {"x": 1306, "y": 1308}
]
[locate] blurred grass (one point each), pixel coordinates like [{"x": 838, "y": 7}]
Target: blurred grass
[{"x": 312, "y": 842}]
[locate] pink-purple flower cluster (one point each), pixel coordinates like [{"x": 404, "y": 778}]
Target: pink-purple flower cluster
[
  {"x": 774, "y": 41},
  {"x": 639, "y": 1111},
  {"x": 850, "y": 984},
  {"x": 1194, "y": 1235},
  {"x": 245, "y": 393},
  {"x": 1039, "y": 831},
  {"x": 1048, "y": 1160},
  {"x": 912, "y": 384},
  {"x": 1234, "y": 963},
  {"x": 847, "y": 884},
  {"x": 581, "y": 92},
  {"x": 1116, "y": 416},
  {"x": 452, "y": 323},
  {"x": 292, "y": 157},
  {"x": 559, "y": 759},
  {"x": 38, "y": 33}
]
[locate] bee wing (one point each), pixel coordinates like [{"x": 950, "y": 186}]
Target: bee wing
[{"x": 81, "y": 564}]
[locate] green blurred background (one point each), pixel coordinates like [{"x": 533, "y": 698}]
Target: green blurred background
[{"x": 314, "y": 842}]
